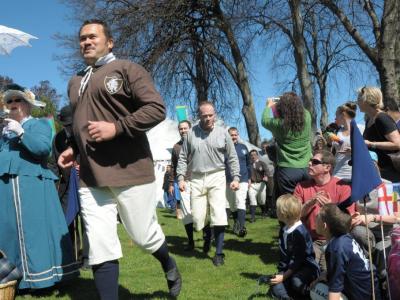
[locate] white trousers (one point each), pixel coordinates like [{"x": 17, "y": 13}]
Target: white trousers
[
  {"x": 237, "y": 199},
  {"x": 208, "y": 199},
  {"x": 257, "y": 193},
  {"x": 136, "y": 206},
  {"x": 185, "y": 205}
]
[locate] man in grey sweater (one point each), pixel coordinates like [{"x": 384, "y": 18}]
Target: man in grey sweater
[{"x": 204, "y": 151}]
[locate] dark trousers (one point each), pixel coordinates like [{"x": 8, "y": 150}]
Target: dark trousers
[
  {"x": 288, "y": 178},
  {"x": 295, "y": 287}
]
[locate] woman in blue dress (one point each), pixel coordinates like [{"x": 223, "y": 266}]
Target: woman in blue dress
[{"x": 33, "y": 231}]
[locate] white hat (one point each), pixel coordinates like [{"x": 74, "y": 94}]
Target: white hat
[{"x": 15, "y": 90}]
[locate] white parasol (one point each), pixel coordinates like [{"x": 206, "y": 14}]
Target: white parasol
[{"x": 11, "y": 38}]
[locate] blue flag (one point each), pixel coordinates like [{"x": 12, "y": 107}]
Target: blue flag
[
  {"x": 364, "y": 175},
  {"x": 73, "y": 197}
]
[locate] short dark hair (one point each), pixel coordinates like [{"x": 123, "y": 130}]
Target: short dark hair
[
  {"x": 327, "y": 157},
  {"x": 338, "y": 221},
  {"x": 185, "y": 121},
  {"x": 232, "y": 129},
  {"x": 106, "y": 28},
  {"x": 254, "y": 150}
]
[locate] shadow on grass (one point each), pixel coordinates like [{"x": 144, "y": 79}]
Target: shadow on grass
[
  {"x": 260, "y": 290},
  {"x": 155, "y": 295},
  {"x": 268, "y": 252},
  {"x": 169, "y": 216},
  {"x": 253, "y": 276},
  {"x": 83, "y": 288},
  {"x": 176, "y": 245}
]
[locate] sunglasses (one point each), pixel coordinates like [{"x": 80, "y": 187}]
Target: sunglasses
[
  {"x": 9, "y": 101},
  {"x": 315, "y": 162}
]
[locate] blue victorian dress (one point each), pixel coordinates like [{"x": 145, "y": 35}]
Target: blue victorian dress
[{"x": 33, "y": 231}]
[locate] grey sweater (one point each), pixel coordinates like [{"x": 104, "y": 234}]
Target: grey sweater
[{"x": 207, "y": 152}]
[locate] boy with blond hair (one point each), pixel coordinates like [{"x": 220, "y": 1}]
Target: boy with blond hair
[{"x": 297, "y": 266}]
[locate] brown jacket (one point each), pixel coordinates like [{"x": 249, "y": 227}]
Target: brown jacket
[
  {"x": 259, "y": 170},
  {"x": 174, "y": 162},
  {"x": 123, "y": 93}
]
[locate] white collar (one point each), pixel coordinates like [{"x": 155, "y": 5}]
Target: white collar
[
  {"x": 292, "y": 228},
  {"x": 287, "y": 231},
  {"x": 89, "y": 70}
]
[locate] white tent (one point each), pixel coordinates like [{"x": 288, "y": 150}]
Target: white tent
[{"x": 162, "y": 138}]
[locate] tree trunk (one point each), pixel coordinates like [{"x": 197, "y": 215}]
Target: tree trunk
[
  {"x": 299, "y": 53},
  {"x": 387, "y": 58},
  {"x": 383, "y": 56},
  {"x": 397, "y": 53},
  {"x": 397, "y": 62},
  {"x": 201, "y": 77},
  {"x": 241, "y": 78},
  {"x": 323, "y": 102}
]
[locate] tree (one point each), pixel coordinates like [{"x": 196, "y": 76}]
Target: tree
[
  {"x": 166, "y": 38},
  {"x": 46, "y": 93},
  {"x": 238, "y": 72},
  {"x": 330, "y": 52},
  {"x": 4, "y": 81},
  {"x": 381, "y": 51},
  {"x": 187, "y": 45},
  {"x": 322, "y": 51},
  {"x": 287, "y": 17}
]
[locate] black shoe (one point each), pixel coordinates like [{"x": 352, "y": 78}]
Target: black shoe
[
  {"x": 189, "y": 247},
  {"x": 206, "y": 246},
  {"x": 242, "y": 232},
  {"x": 174, "y": 282},
  {"x": 218, "y": 260}
]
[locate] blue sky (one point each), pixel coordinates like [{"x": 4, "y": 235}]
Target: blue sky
[{"x": 44, "y": 18}]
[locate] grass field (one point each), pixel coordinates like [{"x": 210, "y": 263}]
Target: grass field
[{"x": 141, "y": 276}]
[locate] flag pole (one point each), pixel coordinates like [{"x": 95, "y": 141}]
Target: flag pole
[
  {"x": 384, "y": 258},
  {"x": 75, "y": 241},
  {"x": 371, "y": 266}
]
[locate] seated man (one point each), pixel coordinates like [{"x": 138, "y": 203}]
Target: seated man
[{"x": 323, "y": 188}]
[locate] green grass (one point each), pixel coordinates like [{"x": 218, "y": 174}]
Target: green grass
[{"x": 141, "y": 276}]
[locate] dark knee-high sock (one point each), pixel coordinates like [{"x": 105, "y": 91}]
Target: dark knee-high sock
[
  {"x": 241, "y": 217},
  {"x": 189, "y": 232},
  {"x": 162, "y": 255},
  {"x": 262, "y": 207},
  {"x": 207, "y": 233},
  {"x": 253, "y": 211},
  {"x": 106, "y": 279},
  {"x": 219, "y": 239},
  {"x": 235, "y": 215}
]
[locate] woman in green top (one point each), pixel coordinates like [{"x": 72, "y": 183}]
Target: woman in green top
[{"x": 290, "y": 124}]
